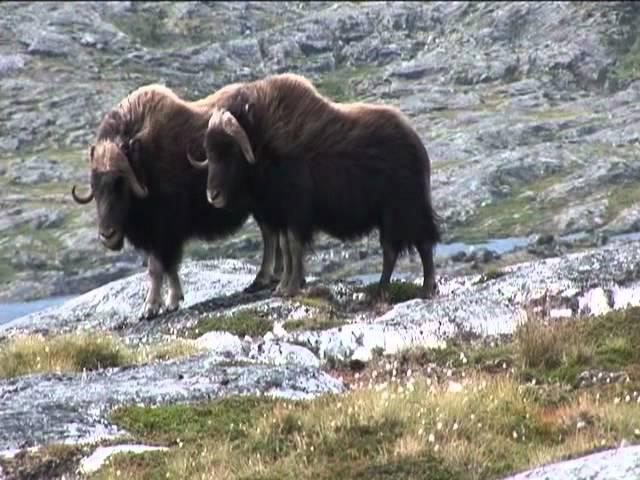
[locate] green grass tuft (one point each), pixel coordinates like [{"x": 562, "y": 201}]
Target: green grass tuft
[
  {"x": 241, "y": 323},
  {"x": 225, "y": 419},
  {"x": 398, "y": 291}
]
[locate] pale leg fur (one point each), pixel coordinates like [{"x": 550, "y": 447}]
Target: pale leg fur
[
  {"x": 175, "y": 292},
  {"x": 286, "y": 265},
  {"x": 153, "y": 301}
]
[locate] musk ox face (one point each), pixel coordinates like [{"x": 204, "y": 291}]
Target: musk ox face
[
  {"x": 228, "y": 154},
  {"x": 113, "y": 181}
]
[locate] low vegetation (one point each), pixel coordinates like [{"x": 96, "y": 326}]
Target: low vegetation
[
  {"x": 241, "y": 323},
  {"x": 469, "y": 410},
  {"x": 34, "y": 353},
  {"x": 51, "y": 461},
  {"x": 515, "y": 215},
  {"x": 489, "y": 274},
  {"x": 339, "y": 85},
  {"x": 398, "y": 291}
]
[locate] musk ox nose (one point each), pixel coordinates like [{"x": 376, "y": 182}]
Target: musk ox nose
[
  {"x": 107, "y": 233},
  {"x": 212, "y": 195}
]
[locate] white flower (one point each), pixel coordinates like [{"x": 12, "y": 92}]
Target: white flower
[{"x": 432, "y": 438}]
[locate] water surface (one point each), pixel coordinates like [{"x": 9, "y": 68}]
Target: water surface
[{"x": 11, "y": 311}]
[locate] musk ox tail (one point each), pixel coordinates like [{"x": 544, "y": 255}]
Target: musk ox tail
[{"x": 435, "y": 225}]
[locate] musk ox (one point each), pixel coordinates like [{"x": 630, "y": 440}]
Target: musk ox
[
  {"x": 309, "y": 164},
  {"x": 147, "y": 193}
]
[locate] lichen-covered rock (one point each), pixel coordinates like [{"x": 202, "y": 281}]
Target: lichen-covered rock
[
  {"x": 617, "y": 464},
  {"x": 41, "y": 408}
]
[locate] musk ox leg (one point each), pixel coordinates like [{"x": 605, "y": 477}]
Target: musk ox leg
[
  {"x": 269, "y": 249},
  {"x": 429, "y": 287},
  {"x": 153, "y": 302},
  {"x": 175, "y": 295},
  {"x": 286, "y": 264},
  {"x": 389, "y": 258},
  {"x": 279, "y": 266},
  {"x": 296, "y": 273}
]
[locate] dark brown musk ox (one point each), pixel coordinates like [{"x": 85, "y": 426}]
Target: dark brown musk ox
[
  {"x": 147, "y": 193},
  {"x": 309, "y": 164}
]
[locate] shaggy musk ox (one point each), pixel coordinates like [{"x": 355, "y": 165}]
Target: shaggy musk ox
[
  {"x": 147, "y": 193},
  {"x": 309, "y": 164}
]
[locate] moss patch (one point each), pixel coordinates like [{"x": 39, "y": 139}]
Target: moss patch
[
  {"x": 7, "y": 272},
  {"x": 313, "y": 322},
  {"x": 242, "y": 323},
  {"x": 517, "y": 214},
  {"x": 628, "y": 65},
  {"x": 339, "y": 85},
  {"x": 398, "y": 291},
  {"x": 225, "y": 419},
  {"x": 620, "y": 197}
]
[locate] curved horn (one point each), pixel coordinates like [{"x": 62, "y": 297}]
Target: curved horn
[
  {"x": 230, "y": 125},
  {"x": 132, "y": 154},
  {"x": 81, "y": 200},
  {"x": 195, "y": 163},
  {"x": 233, "y": 128},
  {"x": 138, "y": 189}
]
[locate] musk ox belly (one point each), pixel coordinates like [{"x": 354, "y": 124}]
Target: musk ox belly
[
  {"x": 347, "y": 203},
  {"x": 209, "y": 223}
]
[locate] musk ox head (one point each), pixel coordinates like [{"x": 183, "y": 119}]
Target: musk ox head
[
  {"x": 113, "y": 181},
  {"x": 228, "y": 153}
]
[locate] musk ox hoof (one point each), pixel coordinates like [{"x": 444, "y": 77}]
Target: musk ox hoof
[
  {"x": 429, "y": 291},
  {"x": 150, "y": 310},
  {"x": 286, "y": 292},
  {"x": 257, "y": 285},
  {"x": 173, "y": 302}
]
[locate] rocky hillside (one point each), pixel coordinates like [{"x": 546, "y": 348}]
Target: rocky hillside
[
  {"x": 473, "y": 372},
  {"x": 529, "y": 111}
]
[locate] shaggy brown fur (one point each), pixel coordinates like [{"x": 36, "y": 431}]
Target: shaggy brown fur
[
  {"x": 146, "y": 192},
  {"x": 344, "y": 169}
]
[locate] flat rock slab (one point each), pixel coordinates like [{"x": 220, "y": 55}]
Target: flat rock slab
[
  {"x": 591, "y": 282},
  {"x": 119, "y": 303},
  {"x": 617, "y": 464},
  {"x": 71, "y": 407}
]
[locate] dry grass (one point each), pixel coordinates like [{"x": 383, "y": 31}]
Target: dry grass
[
  {"x": 477, "y": 424},
  {"x": 558, "y": 350},
  {"x": 35, "y": 353},
  {"x": 489, "y": 427}
]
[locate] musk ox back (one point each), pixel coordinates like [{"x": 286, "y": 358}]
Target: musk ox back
[
  {"x": 310, "y": 165},
  {"x": 146, "y": 192}
]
